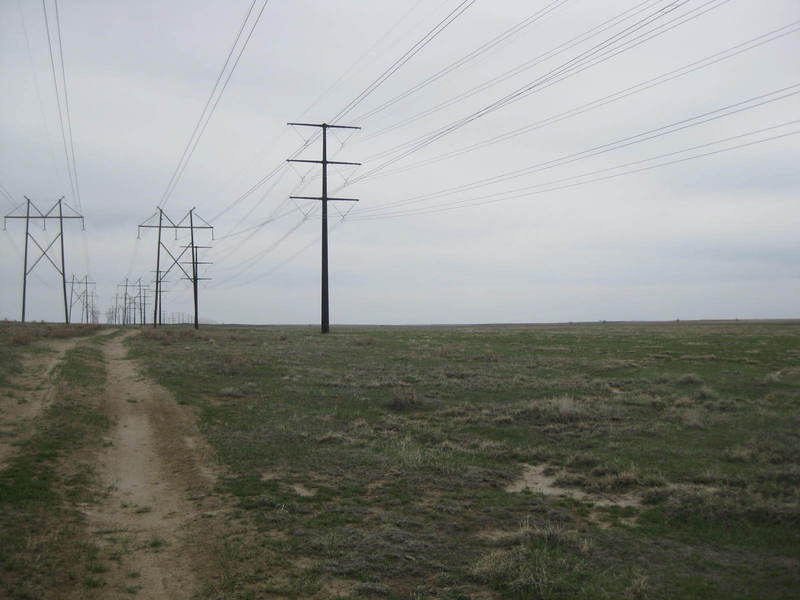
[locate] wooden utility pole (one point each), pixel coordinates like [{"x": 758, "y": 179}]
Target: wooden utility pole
[{"x": 325, "y": 309}]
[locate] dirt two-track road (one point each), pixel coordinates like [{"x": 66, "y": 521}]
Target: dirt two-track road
[
  {"x": 154, "y": 468},
  {"x": 36, "y": 392}
]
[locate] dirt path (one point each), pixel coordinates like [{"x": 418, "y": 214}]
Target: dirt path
[
  {"x": 34, "y": 390},
  {"x": 155, "y": 467}
]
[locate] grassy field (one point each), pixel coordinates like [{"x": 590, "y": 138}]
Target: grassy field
[
  {"x": 586, "y": 461},
  {"x": 42, "y": 550},
  {"x": 18, "y": 340}
]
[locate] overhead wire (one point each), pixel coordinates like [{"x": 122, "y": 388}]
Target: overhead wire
[
  {"x": 68, "y": 158},
  {"x": 467, "y": 58},
  {"x": 8, "y": 196},
  {"x": 687, "y": 69},
  {"x": 253, "y": 259},
  {"x": 370, "y": 89},
  {"x": 416, "y": 48},
  {"x": 37, "y": 88},
  {"x": 650, "y": 134},
  {"x": 291, "y": 257},
  {"x": 78, "y": 200},
  {"x": 657, "y": 14},
  {"x": 68, "y": 139},
  {"x": 413, "y": 146},
  {"x": 212, "y": 101},
  {"x": 376, "y": 83},
  {"x": 595, "y": 176},
  {"x": 360, "y": 59},
  {"x": 525, "y": 66}
]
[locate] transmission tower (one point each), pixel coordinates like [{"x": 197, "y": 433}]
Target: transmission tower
[
  {"x": 83, "y": 296},
  {"x": 187, "y": 222},
  {"x": 56, "y": 212},
  {"x": 325, "y": 316}
]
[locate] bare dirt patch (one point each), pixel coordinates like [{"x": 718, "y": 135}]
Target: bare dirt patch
[
  {"x": 534, "y": 479},
  {"x": 302, "y": 490},
  {"x": 34, "y": 390},
  {"x": 158, "y": 471}
]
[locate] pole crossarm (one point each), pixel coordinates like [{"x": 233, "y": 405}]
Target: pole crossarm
[
  {"x": 322, "y": 162},
  {"x": 173, "y": 227},
  {"x": 324, "y": 125},
  {"x": 321, "y": 198}
]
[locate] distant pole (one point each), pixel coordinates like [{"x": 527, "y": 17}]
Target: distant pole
[
  {"x": 25, "y": 261},
  {"x": 85, "y": 311},
  {"x": 125, "y": 304},
  {"x": 157, "y": 301},
  {"x": 63, "y": 272},
  {"x": 194, "y": 265},
  {"x": 71, "y": 290},
  {"x": 325, "y": 326},
  {"x": 141, "y": 304}
]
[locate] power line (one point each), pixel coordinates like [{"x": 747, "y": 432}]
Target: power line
[
  {"x": 67, "y": 156},
  {"x": 8, "y": 196},
  {"x": 425, "y": 140},
  {"x": 483, "y": 48},
  {"x": 360, "y": 59},
  {"x": 353, "y": 103},
  {"x": 289, "y": 258},
  {"x": 674, "y": 127},
  {"x": 67, "y": 111},
  {"x": 248, "y": 262},
  {"x": 45, "y": 121},
  {"x": 209, "y": 108},
  {"x": 417, "y": 47},
  {"x": 527, "y": 65},
  {"x": 687, "y": 69},
  {"x": 596, "y": 176}
]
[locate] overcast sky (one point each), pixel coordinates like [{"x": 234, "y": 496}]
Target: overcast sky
[{"x": 599, "y": 226}]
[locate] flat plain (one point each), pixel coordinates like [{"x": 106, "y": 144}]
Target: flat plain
[{"x": 607, "y": 460}]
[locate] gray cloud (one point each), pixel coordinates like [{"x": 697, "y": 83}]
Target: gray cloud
[{"x": 711, "y": 237}]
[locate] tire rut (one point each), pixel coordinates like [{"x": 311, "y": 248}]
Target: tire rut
[
  {"x": 35, "y": 390},
  {"x": 157, "y": 471}
]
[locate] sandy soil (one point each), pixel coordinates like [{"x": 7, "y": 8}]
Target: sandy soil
[
  {"x": 35, "y": 390},
  {"x": 157, "y": 518},
  {"x": 534, "y": 479}
]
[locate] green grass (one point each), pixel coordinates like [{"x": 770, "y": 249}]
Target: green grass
[
  {"x": 41, "y": 551},
  {"x": 378, "y": 457},
  {"x": 19, "y": 339}
]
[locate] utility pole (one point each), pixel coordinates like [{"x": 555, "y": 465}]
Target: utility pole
[
  {"x": 325, "y": 309},
  {"x": 125, "y": 303},
  {"x": 141, "y": 300},
  {"x": 86, "y": 299},
  {"x": 192, "y": 274},
  {"x": 44, "y": 252},
  {"x": 71, "y": 287}
]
